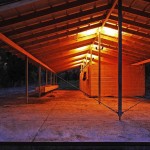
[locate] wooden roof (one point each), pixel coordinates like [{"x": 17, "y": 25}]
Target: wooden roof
[{"x": 53, "y": 31}]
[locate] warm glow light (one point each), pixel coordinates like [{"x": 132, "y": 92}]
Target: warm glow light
[
  {"x": 82, "y": 48},
  {"x": 109, "y": 31},
  {"x": 88, "y": 32},
  {"x": 95, "y": 48},
  {"x": 79, "y": 56},
  {"x": 78, "y": 61},
  {"x": 76, "y": 65},
  {"x": 93, "y": 56}
]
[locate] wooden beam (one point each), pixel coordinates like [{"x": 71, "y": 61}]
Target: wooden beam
[
  {"x": 136, "y": 11},
  {"x": 66, "y": 56},
  {"x": 128, "y": 45},
  {"x": 142, "y": 62},
  {"x": 43, "y": 12},
  {"x": 71, "y": 59},
  {"x": 16, "y": 4},
  {"x": 37, "y": 42},
  {"x": 114, "y": 48},
  {"x": 138, "y": 33},
  {"x": 66, "y": 64},
  {"x": 58, "y": 43},
  {"x": 78, "y": 45},
  {"x": 58, "y": 20},
  {"x": 58, "y": 49},
  {"x": 126, "y": 48},
  {"x": 21, "y": 50},
  {"x": 109, "y": 13},
  {"x": 23, "y": 38},
  {"x": 146, "y": 0},
  {"x": 58, "y": 29},
  {"x": 60, "y": 35},
  {"x": 131, "y": 22}
]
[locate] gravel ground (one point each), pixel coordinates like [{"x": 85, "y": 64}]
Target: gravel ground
[{"x": 70, "y": 116}]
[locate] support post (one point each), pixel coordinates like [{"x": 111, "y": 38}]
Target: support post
[
  {"x": 86, "y": 59},
  {"x": 99, "y": 65},
  {"x": 119, "y": 59},
  {"x": 91, "y": 56},
  {"x": 39, "y": 81},
  {"x": 56, "y": 79},
  {"x": 51, "y": 82},
  {"x": 53, "y": 79},
  {"x": 46, "y": 77},
  {"x": 27, "y": 80}
]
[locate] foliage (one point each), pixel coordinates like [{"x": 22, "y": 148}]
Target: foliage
[{"x": 12, "y": 70}]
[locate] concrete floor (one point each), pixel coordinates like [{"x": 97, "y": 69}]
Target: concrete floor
[{"x": 70, "y": 116}]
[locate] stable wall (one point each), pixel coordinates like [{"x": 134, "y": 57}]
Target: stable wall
[{"x": 133, "y": 80}]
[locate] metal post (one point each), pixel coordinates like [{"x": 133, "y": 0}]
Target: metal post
[
  {"x": 119, "y": 59},
  {"x": 91, "y": 56},
  {"x": 27, "y": 79},
  {"x": 46, "y": 77},
  {"x": 99, "y": 66},
  {"x": 51, "y": 78},
  {"x": 56, "y": 79},
  {"x": 86, "y": 59},
  {"x": 39, "y": 81}
]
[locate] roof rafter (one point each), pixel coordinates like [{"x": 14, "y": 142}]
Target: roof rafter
[
  {"x": 135, "y": 11},
  {"x": 20, "y": 49},
  {"x": 43, "y": 12},
  {"x": 58, "y": 20},
  {"x": 142, "y": 62},
  {"x": 27, "y": 44}
]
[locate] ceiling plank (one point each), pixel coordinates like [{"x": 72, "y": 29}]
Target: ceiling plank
[
  {"x": 147, "y": 35},
  {"x": 43, "y": 12},
  {"x": 67, "y": 33},
  {"x": 131, "y": 22},
  {"x": 61, "y": 43},
  {"x": 57, "y": 20},
  {"x": 138, "y": 33},
  {"x": 63, "y": 57},
  {"x": 73, "y": 46},
  {"x": 135, "y": 11},
  {"x": 58, "y": 29},
  {"x": 73, "y": 25}
]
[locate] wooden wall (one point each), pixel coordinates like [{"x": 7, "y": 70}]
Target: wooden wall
[{"x": 133, "y": 80}]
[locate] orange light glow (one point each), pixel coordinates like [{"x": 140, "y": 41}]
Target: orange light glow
[
  {"x": 88, "y": 32},
  {"x": 93, "y": 56},
  {"x": 109, "y": 31},
  {"x": 82, "y": 48},
  {"x": 79, "y": 56},
  {"x": 78, "y": 61},
  {"x": 95, "y": 48}
]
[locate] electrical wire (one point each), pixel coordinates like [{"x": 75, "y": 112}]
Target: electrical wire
[{"x": 86, "y": 94}]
